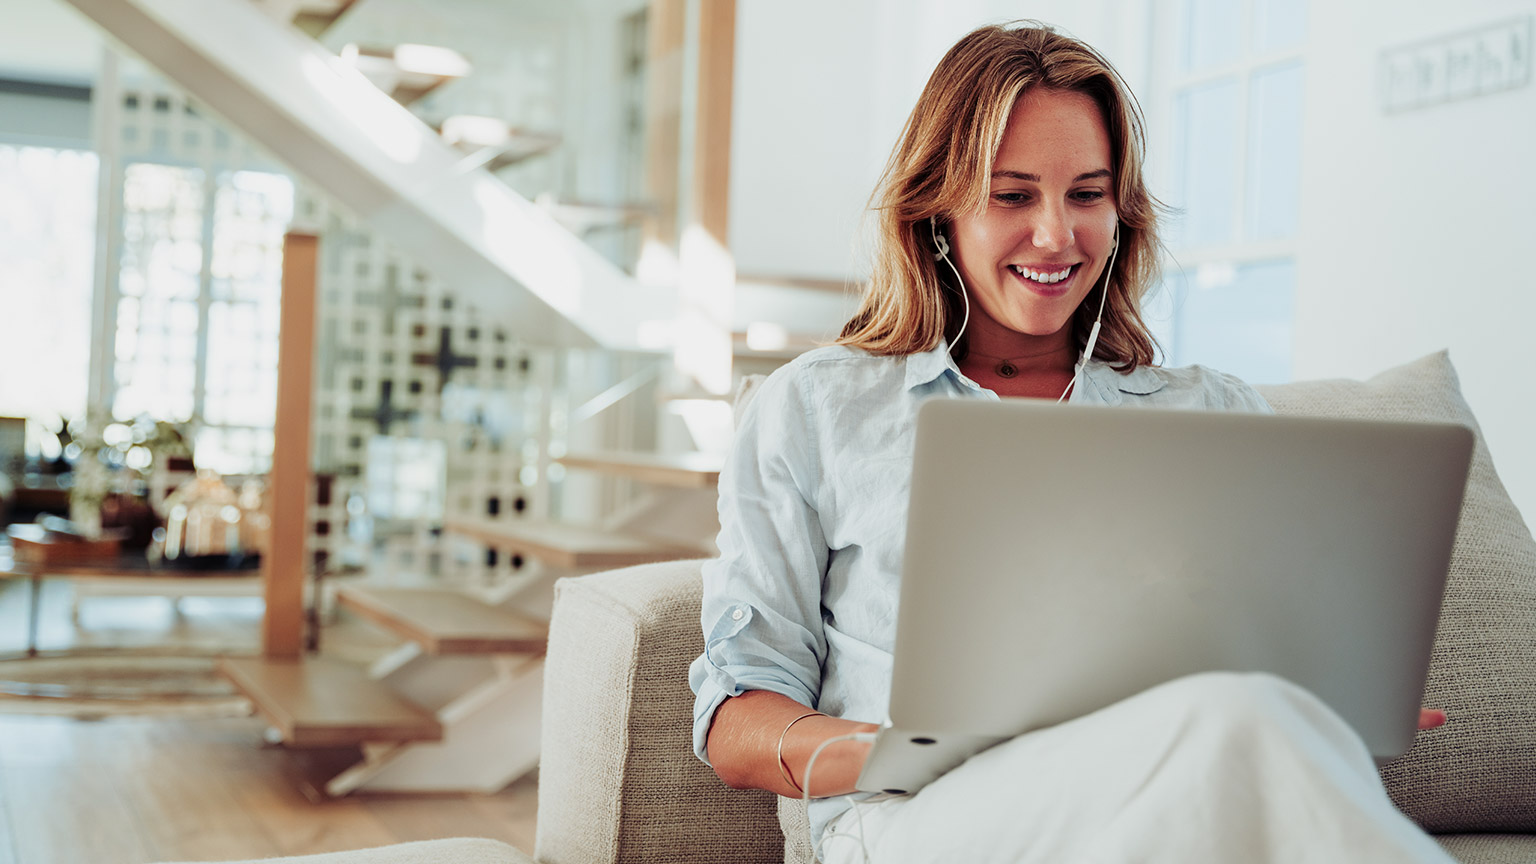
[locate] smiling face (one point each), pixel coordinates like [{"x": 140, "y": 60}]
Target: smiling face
[{"x": 1041, "y": 244}]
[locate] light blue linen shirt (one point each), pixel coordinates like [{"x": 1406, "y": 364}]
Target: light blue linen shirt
[{"x": 813, "y": 513}]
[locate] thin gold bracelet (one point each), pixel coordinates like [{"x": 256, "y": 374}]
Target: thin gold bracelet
[{"x": 784, "y": 768}]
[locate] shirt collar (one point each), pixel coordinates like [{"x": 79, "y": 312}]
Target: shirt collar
[{"x": 926, "y": 366}]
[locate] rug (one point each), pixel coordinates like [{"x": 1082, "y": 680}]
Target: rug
[{"x": 95, "y": 686}]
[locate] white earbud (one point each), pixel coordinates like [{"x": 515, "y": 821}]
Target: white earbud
[
  {"x": 939, "y": 240},
  {"x": 942, "y": 244}
]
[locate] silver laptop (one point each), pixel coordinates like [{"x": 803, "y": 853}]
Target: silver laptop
[{"x": 1080, "y": 555}]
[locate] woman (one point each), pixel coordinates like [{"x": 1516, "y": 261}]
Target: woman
[{"x": 1016, "y": 240}]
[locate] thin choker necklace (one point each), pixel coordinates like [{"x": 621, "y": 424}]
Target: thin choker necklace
[{"x": 1007, "y": 367}]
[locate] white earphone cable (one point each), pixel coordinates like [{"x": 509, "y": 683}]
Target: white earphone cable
[
  {"x": 941, "y": 243},
  {"x": 965, "y": 296},
  {"x": 1093, "y": 334},
  {"x": 805, "y": 794}
]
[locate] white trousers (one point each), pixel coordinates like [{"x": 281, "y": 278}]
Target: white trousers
[{"x": 1218, "y": 767}]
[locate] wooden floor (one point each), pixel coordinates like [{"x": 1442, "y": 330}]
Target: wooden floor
[{"x": 137, "y": 790}]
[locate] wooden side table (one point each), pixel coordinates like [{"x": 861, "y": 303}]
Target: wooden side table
[{"x": 128, "y": 575}]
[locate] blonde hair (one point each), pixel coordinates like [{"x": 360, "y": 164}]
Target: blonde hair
[{"x": 942, "y": 165}]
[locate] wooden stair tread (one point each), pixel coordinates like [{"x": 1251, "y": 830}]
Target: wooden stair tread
[
  {"x": 444, "y": 621},
  {"x": 570, "y": 546},
  {"x": 316, "y": 702},
  {"x": 314, "y": 17},
  {"x": 688, "y": 470}
]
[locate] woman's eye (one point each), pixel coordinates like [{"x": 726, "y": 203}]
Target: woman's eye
[
  {"x": 1010, "y": 197},
  {"x": 1089, "y": 195}
]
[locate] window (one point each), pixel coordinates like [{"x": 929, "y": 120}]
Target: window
[
  {"x": 1230, "y": 99},
  {"x": 197, "y": 314},
  {"x": 47, "y": 241}
]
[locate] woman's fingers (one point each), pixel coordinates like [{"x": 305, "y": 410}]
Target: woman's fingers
[{"x": 1429, "y": 718}]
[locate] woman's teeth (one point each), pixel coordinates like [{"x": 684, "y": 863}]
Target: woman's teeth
[{"x": 1043, "y": 278}]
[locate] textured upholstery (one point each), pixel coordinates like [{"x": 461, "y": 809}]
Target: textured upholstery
[
  {"x": 1477, "y": 773},
  {"x": 1490, "y": 848},
  {"x": 618, "y": 781},
  {"x": 457, "y": 850},
  {"x": 795, "y": 822}
]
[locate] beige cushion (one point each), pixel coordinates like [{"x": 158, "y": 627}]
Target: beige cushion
[
  {"x": 1490, "y": 848},
  {"x": 618, "y": 781},
  {"x": 795, "y": 822},
  {"x": 457, "y": 850},
  {"x": 1477, "y": 773}
]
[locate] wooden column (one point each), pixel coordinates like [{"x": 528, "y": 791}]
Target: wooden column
[
  {"x": 666, "y": 32},
  {"x": 283, "y": 562},
  {"x": 709, "y": 174},
  {"x": 710, "y": 201},
  {"x": 707, "y": 287}
]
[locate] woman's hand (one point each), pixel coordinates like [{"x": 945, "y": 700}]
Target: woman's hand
[{"x": 1429, "y": 718}]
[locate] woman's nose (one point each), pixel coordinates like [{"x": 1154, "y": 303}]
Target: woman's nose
[{"x": 1051, "y": 229}]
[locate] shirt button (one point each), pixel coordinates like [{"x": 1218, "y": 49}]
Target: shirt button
[{"x": 736, "y": 616}]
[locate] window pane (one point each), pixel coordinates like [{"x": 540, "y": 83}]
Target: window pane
[
  {"x": 1274, "y": 152},
  {"x": 1213, "y": 33},
  {"x": 234, "y": 451},
  {"x": 1237, "y": 319},
  {"x": 242, "y": 365},
  {"x": 156, "y": 358},
  {"x": 406, "y": 478},
  {"x": 159, "y": 275},
  {"x": 1279, "y": 25},
  {"x": 251, "y": 211},
  {"x": 47, "y": 241},
  {"x": 162, "y": 230},
  {"x": 1206, "y": 175}
]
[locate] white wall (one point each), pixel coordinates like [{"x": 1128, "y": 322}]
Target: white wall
[
  {"x": 1417, "y": 228},
  {"x": 47, "y": 40}
]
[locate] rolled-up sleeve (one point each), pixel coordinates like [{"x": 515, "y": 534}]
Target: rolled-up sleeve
[{"x": 762, "y": 597}]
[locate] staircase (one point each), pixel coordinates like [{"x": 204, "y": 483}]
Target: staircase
[
  {"x": 457, "y": 706},
  {"x": 326, "y": 120}
]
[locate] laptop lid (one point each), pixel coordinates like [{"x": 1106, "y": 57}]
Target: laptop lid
[{"x": 1062, "y": 558}]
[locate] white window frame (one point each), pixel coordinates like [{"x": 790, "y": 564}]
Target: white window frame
[{"x": 1167, "y": 43}]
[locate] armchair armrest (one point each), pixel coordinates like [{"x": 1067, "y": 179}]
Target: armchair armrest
[{"x": 618, "y": 781}]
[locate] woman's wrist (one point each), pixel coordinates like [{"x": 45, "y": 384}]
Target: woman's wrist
[
  {"x": 837, "y": 768},
  {"x": 784, "y": 767}
]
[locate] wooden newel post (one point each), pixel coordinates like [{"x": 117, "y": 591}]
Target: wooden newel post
[{"x": 283, "y": 562}]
